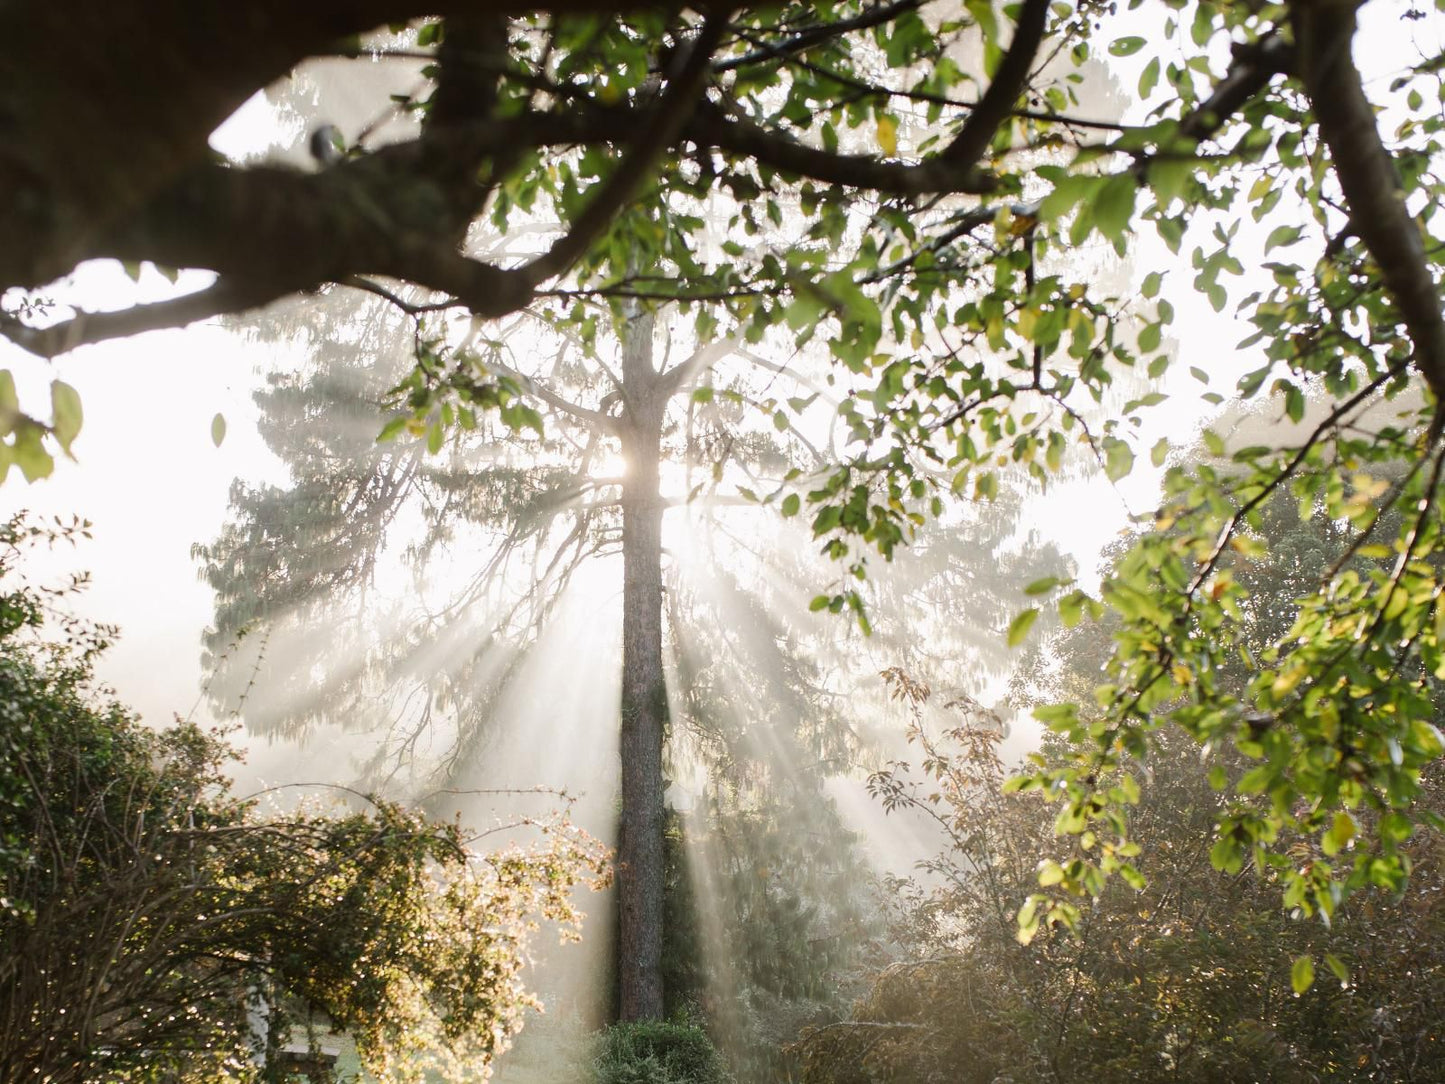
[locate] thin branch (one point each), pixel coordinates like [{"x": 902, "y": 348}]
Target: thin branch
[
  {"x": 360, "y": 282},
  {"x": 1232, "y": 525},
  {"x": 87, "y": 328},
  {"x": 808, "y": 36},
  {"x": 684, "y": 373},
  {"x": 733, "y": 132},
  {"x": 1407, "y": 551},
  {"x": 926, "y": 98},
  {"x": 552, "y": 399}
]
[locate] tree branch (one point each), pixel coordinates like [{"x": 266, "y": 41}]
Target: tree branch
[
  {"x": 1252, "y": 68},
  {"x": 806, "y": 37},
  {"x": 685, "y": 372},
  {"x": 666, "y": 121},
  {"x": 998, "y": 102},
  {"x": 558, "y": 402},
  {"x": 86, "y": 328},
  {"x": 729, "y": 131},
  {"x": 1324, "y": 31},
  {"x": 283, "y": 231},
  {"x": 69, "y": 70}
]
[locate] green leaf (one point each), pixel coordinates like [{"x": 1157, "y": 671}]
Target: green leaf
[
  {"x": 66, "y": 415},
  {"x": 1341, "y": 831},
  {"x": 1068, "y": 191},
  {"x": 1226, "y": 855},
  {"x": 1282, "y": 235},
  {"x": 9, "y": 401},
  {"x": 1044, "y": 586},
  {"x": 1302, "y": 974},
  {"x": 1126, "y": 46},
  {"x": 1250, "y": 383},
  {"x": 1028, "y": 919},
  {"x": 30, "y": 454},
  {"x": 388, "y": 432},
  {"x": 1114, "y": 205},
  {"x": 1149, "y": 78},
  {"x": 1294, "y": 403},
  {"x": 1019, "y": 627},
  {"x": 791, "y": 504},
  {"x": 218, "y": 429},
  {"x": 1118, "y": 458},
  {"x": 887, "y": 135},
  {"x": 1169, "y": 177},
  {"x": 1337, "y": 966}
]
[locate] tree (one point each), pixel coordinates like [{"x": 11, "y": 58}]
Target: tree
[
  {"x": 347, "y": 495},
  {"x": 491, "y": 541},
  {"x": 147, "y": 914},
  {"x": 929, "y": 250},
  {"x": 1186, "y": 977}
]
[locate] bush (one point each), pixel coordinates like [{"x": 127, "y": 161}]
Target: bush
[
  {"x": 654, "y": 1052},
  {"x": 143, "y": 906}
]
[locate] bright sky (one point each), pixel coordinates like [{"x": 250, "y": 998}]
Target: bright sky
[{"x": 153, "y": 484}]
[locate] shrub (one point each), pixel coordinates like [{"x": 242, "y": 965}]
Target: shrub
[{"x": 655, "y": 1052}]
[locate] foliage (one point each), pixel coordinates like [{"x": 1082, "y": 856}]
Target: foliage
[
  {"x": 1324, "y": 679},
  {"x": 923, "y": 189},
  {"x": 768, "y": 912},
  {"x": 658, "y": 1052},
  {"x": 1186, "y": 977},
  {"x": 145, "y": 906}
]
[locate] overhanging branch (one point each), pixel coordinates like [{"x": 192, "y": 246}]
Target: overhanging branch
[
  {"x": 87, "y": 328},
  {"x": 685, "y": 372},
  {"x": 997, "y": 103},
  {"x": 1324, "y": 32},
  {"x": 665, "y": 122}
]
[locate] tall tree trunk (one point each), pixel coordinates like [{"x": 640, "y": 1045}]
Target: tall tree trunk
[{"x": 644, "y": 694}]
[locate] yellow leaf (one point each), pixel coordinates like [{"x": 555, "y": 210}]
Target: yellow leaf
[
  {"x": 888, "y": 134},
  {"x": 1287, "y": 679}
]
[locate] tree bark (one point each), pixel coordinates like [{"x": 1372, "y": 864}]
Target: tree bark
[{"x": 640, "y": 872}]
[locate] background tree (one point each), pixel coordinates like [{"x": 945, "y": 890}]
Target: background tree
[
  {"x": 145, "y": 908},
  {"x": 493, "y": 539},
  {"x": 1191, "y": 976}
]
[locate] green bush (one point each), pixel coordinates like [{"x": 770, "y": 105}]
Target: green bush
[{"x": 654, "y": 1052}]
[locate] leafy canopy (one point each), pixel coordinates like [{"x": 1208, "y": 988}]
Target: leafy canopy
[{"x": 931, "y": 193}]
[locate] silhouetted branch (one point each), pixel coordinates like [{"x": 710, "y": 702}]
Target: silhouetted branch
[
  {"x": 666, "y": 121},
  {"x": 87, "y": 328},
  {"x": 1324, "y": 30},
  {"x": 1003, "y": 92}
]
